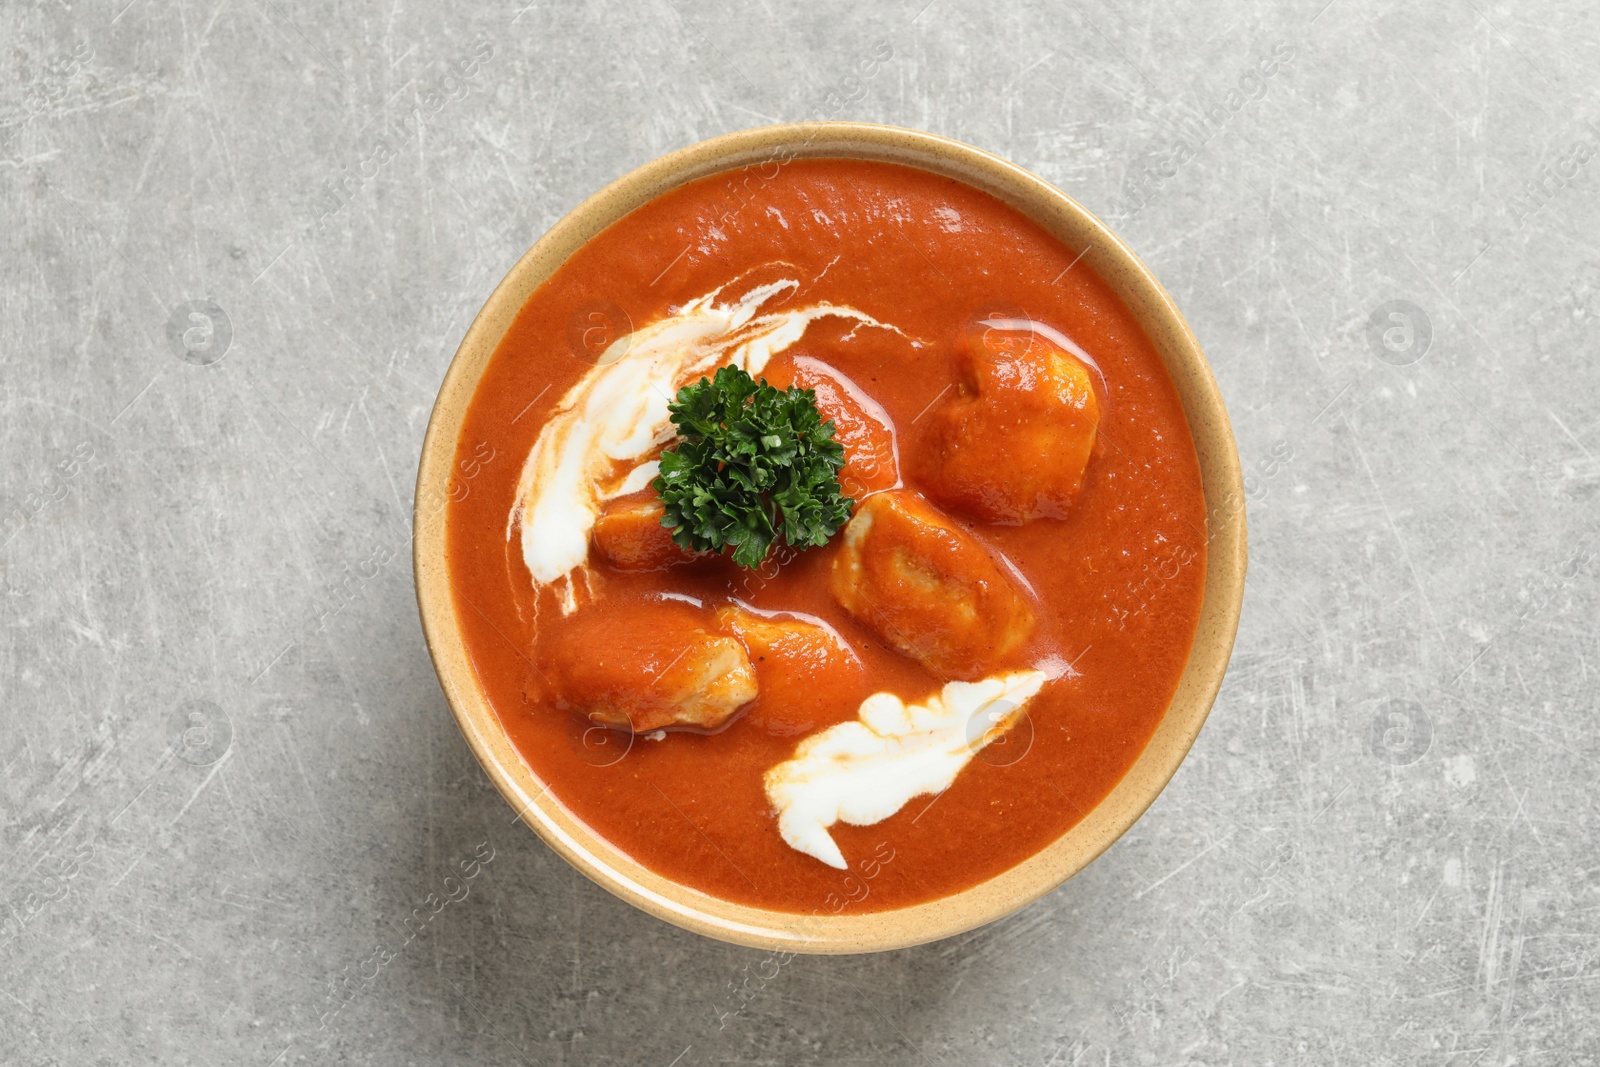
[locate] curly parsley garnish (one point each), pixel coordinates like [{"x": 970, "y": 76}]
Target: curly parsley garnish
[{"x": 752, "y": 463}]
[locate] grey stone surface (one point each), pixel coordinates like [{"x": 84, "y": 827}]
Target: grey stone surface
[{"x": 229, "y": 774}]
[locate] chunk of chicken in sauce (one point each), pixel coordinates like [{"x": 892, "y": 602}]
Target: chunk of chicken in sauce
[
  {"x": 648, "y": 665},
  {"x": 1012, "y": 443},
  {"x": 629, "y": 536},
  {"x": 871, "y": 461},
  {"x": 928, "y": 588},
  {"x": 809, "y": 676}
]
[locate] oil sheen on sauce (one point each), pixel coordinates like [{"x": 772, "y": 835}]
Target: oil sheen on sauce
[{"x": 1119, "y": 578}]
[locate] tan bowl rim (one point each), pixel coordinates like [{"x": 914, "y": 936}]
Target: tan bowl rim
[{"x": 758, "y": 150}]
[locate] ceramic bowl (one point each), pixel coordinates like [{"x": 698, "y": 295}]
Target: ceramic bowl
[{"x": 1045, "y": 870}]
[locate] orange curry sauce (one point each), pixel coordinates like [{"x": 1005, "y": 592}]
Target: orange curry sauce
[{"x": 1119, "y": 579}]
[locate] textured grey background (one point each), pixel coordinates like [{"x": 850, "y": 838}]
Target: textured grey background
[{"x": 1382, "y": 849}]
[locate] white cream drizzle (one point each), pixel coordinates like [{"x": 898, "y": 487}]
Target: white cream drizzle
[
  {"x": 617, "y": 414},
  {"x": 864, "y": 771}
]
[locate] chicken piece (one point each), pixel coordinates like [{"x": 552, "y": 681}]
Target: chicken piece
[
  {"x": 628, "y": 534},
  {"x": 871, "y": 462},
  {"x": 1012, "y": 443},
  {"x": 646, "y": 665},
  {"x": 929, "y": 589},
  {"x": 809, "y": 676}
]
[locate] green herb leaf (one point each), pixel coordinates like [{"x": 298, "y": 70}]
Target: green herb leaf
[{"x": 753, "y": 464}]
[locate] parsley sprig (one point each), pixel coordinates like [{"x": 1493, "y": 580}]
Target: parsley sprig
[{"x": 752, "y": 463}]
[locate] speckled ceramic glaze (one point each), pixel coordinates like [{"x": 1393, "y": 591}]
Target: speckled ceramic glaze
[{"x": 1208, "y": 659}]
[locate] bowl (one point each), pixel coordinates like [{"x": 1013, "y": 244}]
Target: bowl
[{"x": 1197, "y": 688}]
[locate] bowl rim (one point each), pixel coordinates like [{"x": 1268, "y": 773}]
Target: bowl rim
[{"x": 752, "y": 152}]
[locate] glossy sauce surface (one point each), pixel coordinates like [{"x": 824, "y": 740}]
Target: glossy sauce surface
[{"x": 1118, "y": 580}]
